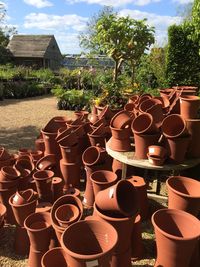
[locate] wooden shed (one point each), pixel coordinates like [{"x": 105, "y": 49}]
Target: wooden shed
[{"x": 37, "y": 51}]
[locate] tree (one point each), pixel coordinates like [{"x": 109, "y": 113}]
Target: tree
[
  {"x": 196, "y": 20},
  {"x": 122, "y": 38}
]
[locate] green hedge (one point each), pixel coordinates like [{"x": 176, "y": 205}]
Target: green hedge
[{"x": 183, "y": 60}]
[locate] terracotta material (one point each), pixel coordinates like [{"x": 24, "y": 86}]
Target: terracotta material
[
  {"x": 164, "y": 100},
  {"x": 144, "y": 97},
  {"x": 157, "y": 113},
  {"x": 184, "y": 194},
  {"x": 39, "y": 144},
  {"x": 94, "y": 155},
  {"x": 102, "y": 179},
  {"x": 2, "y": 213},
  {"x": 5, "y": 194},
  {"x": 107, "y": 113},
  {"x": 38, "y": 226},
  {"x": 51, "y": 145},
  {"x": 94, "y": 116},
  {"x": 99, "y": 122},
  {"x": 121, "y": 120},
  {"x": 142, "y": 142},
  {"x": 120, "y": 198},
  {"x": 156, "y": 161},
  {"x": 21, "y": 211},
  {"x": 22, "y": 164},
  {"x": 189, "y": 106},
  {"x": 193, "y": 127},
  {"x": 4, "y": 155},
  {"x": 130, "y": 107},
  {"x": 148, "y": 103},
  {"x": 54, "y": 257},
  {"x": 21, "y": 242},
  {"x": 46, "y": 162},
  {"x": 73, "y": 191},
  {"x": 137, "y": 249},
  {"x": 66, "y": 214},
  {"x": 35, "y": 257},
  {"x": 177, "y": 233},
  {"x": 83, "y": 114},
  {"x": 144, "y": 124},
  {"x": 177, "y": 148},
  {"x": 174, "y": 126},
  {"x": 24, "y": 180},
  {"x": 67, "y": 137},
  {"x": 70, "y": 153},
  {"x": 4, "y": 163},
  {"x": 36, "y": 155},
  {"x": 100, "y": 236},
  {"x": 70, "y": 173},
  {"x": 158, "y": 151},
  {"x": 57, "y": 187},
  {"x": 122, "y": 259},
  {"x": 23, "y": 197},
  {"x": 120, "y": 140},
  {"x": 9, "y": 173},
  {"x": 98, "y": 136},
  {"x": 141, "y": 186},
  {"x": 43, "y": 207}
]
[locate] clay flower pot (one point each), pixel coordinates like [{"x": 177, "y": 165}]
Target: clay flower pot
[
  {"x": 5, "y": 194},
  {"x": 184, "y": 194},
  {"x": 4, "y": 155},
  {"x": 36, "y": 155},
  {"x": 22, "y": 164},
  {"x": 38, "y": 226},
  {"x": 137, "y": 248},
  {"x": 94, "y": 116},
  {"x": 73, "y": 191},
  {"x": 121, "y": 120},
  {"x": 23, "y": 197},
  {"x": 177, "y": 233},
  {"x": 46, "y": 162},
  {"x": 69, "y": 153},
  {"x": 189, "y": 106},
  {"x": 67, "y": 138},
  {"x": 57, "y": 187},
  {"x": 2, "y": 213},
  {"x": 102, "y": 179},
  {"x": 157, "y": 113},
  {"x": 107, "y": 113},
  {"x": 70, "y": 173},
  {"x": 120, "y": 140},
  {"x": 54, "y": 257},
  {"x": 9, "y": 173},
  {"x": 157, "y": 151},
  {"x": 156, "y": 161},
  {"x": 51, "y": 145},
  {"x": 148, "y": 103},
  {"x": 66, "y": 214},
  {"x": 193, "y": 127},
  {"x": 174, "y": 126},
  {"x": 100, "y": 236},
  {"x": 120, "y": 198},
  {"x": 98, "y": 136},
  {"x": 22, "y": 210},
  {"x": 94, "y": 155},
  {"x": 144, "y": 124}
]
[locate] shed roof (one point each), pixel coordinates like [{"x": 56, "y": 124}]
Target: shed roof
[{"x": 30, "y": 45}]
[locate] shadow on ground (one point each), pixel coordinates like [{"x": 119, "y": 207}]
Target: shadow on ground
[{"x": 7, "y": 102}]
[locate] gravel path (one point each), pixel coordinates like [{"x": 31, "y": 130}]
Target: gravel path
[{"x": 22, "y": 119}]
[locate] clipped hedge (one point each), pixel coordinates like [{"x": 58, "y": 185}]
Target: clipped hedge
[{"x": 183, "y": 60}]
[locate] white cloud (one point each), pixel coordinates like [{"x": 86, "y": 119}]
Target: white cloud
[
  {"x": 68, "y": 42},
  {"x": 183, "y": 2},
  {"x": 38, "y": 3},
  {"x": 115, "y": 3},
  {"x": 53, "y": 22},
  {"x": 161, "y": 23}
]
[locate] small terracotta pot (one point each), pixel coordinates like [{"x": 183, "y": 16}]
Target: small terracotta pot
[
  {"x": 189, "y": 106},
  {"x": 144, "y": 124},
  {"x": 156, "y": 161},
  {"x": 23, "y": 197},
  {"x": 38, "y": 226},
  {"x": 120, "y": 198},
  {"x": 102, "y": 179},
  {"x": 46, "y": 162},
  {"x": 174, "y": 126},
  {"x": 121, "y": 120},
  {"x": 184, "y": 194},
  {"x": 193, "y": 127},
  {"x": 66, "y": 214},
  {"x": 54, "y": 257},
  {"x": 100, "y": 236},
  {"x": 70, "y": 173},
  {"x": 177, "y": 233},
  {"x": 157, "y": 151},
  {"x": 9, "y": 173},
  {"x": 94, "y": 155},
  {"x": 130, "y": 107}
]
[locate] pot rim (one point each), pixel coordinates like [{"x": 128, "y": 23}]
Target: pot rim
[
  {"x": 49, "y": 173},
  {"x": 185, "y": 179},
  {"x": 22, "y": 205},
  {"x": 181, "y": 213},
  {"x": 93, "y": 256},
  {"x": 4, "y": 209},
  {"x": 106, "y": 182},
  {"x": 45, "y": 213},
  {"x": 59, "y": 249}
]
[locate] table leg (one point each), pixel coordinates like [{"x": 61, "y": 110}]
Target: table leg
[{"x": 124, "y": 170}]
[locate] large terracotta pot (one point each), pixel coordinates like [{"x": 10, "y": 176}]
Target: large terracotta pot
[
  {"x": 193, "y": 126},
  {"x": 70, "y": 173},
  {"x": 100, "y": 239},
  {"x": 144, "y": 124},
  {"x": 177, "y": 234},
  {"x": 184, "y": 194},
  {"x": 189, "y": 106},
  {"x": 174, "y": 126}
]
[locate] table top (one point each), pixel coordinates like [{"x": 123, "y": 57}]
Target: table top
[{"x": 128, "y": 158}]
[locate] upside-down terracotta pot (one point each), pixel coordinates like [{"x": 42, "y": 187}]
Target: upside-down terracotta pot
[
  {"x": 70, "y": 173},
  {"x": 120, "y": 198},
  {"x": 144, "y": 124},
  {"x": 137, "y": 248},
  {"x": 193, "y": 127},
  {"x": 142, "y": 142},
  {"x": 174, "y": 126},
  {"x": 177, "y": 233},
  {"x": 184, "y": 194},
  {"x": 54, "y": 257},
  {"x": 102, "y": 179},
  {"x": 141, "y": 186},
  {"x": 189, "y": 106},
  {"x": 100, "y": 236}
]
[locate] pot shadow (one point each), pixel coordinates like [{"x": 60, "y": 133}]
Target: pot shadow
[
  {"x": 14, "y": 101},
  {"x": 23, "y": 137}
]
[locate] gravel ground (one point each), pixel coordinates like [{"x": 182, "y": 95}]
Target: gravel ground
[{"x": 21, "y": 120}]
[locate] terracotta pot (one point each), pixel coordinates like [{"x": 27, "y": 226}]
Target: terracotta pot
[
  {"x": 148, "y": 103},
  {"x": 94, "y": 155},
  {"x": 99, "y": 122},
  {"x": 36, "y": 155},
  {"x": 39, "y": 228},
  {"x": 157, "y": 114},
  {"x": 156, "y": 161},
  {"x": 141, "y": 186},
  {"x": 177, "y": 148},
  {"x": 130, "y": 107},
  {"x": 121, "y": 120},
  {"x": 46, "y": 162},
  {"x": 157, "y": 151},
  {"x": 122, "y": 259},
  {"x": 123, "y": 226},
  {"x": 35, "y": 257},
  {"x": 121, "y": 134},
  {"x": 67, "y": 137},
  {"x": 2, "y": 213},
  {"x": 5, "y": 194},
  {"x": 9, "y": 173},
  {"x": 142, "y": 142},
  {"x": 70, "y": 173},
  {"x": 4, "y": 163},
  {"x": 39, "y": 144},
  {"x": 67, "y": 214},
  {"x": 106, "y": 112},
  {"x": 144, "y": 124},
  {"x": 94, "y": 116},
  {"x": 51, "y": 145},
  {"x": 23, "y": 197},
  {"x": 133, "y": 99},
  {"x": 174, "y": 126},
  {"x": 57, "y": 187},
  {"x": 4, "y": 155},
  {"x": 43, "y": 207},
  {"x": 120, "y": 198},
  {"x": 54, "y": 257},
  {"x": 24, "y": 180},
  {"x": 100, "y": 236},
  {"x": 97, "y": 139},
  {"x": 144, "y": 97},
  {"x": 43, "y": 181},
  {"x": 189, "y": 106},
  {"x": 73, "y": 191},
  {"x": 8, "y": 184},
  {"x": 177, "y": 233},
  {"x": 164, "y": 100},
  {"x": 102, "y": 179},
  {"x": 21, "y": 211},
  {"x": 21, "y": 242},
  {"x": 22, "y": 164},
  {"x": 184, "y": 194},
  {"x": 193, "y": 127},
  {"x": 70, "y": 153},
  {"x": 137, "y": 249},
  {"x": 120, "y": 140}
]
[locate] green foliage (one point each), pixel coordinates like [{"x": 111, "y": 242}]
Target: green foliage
[
  {"x": 8, "y": 72},
  {"x": 183, "y": 60},
  {"x": 196, "y": 21},
  {"x": 44, "y": 75},
  {"x": 72, "y": 99}
]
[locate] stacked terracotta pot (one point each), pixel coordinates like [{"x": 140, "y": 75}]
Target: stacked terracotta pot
[{"x": 5, "y": 157}]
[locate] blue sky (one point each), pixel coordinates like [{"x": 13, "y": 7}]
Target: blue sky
[{"x": 67, "y": 18}]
